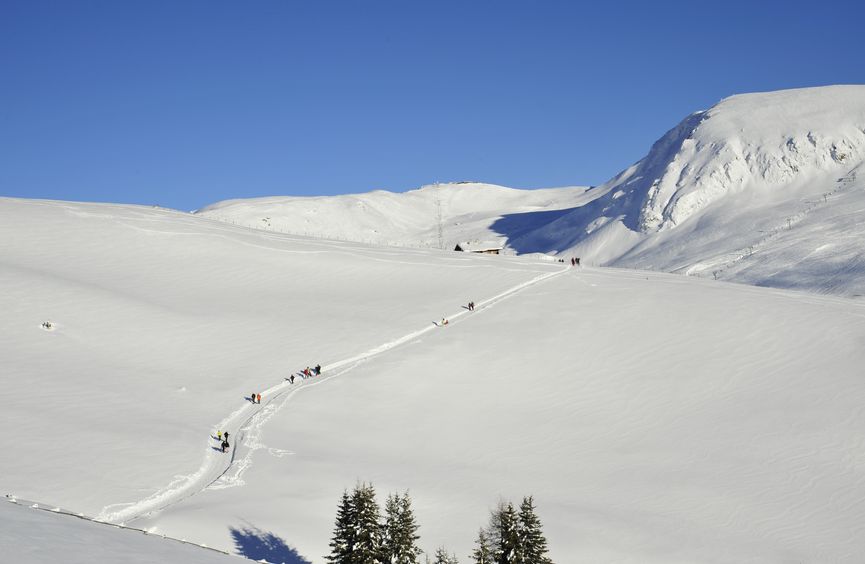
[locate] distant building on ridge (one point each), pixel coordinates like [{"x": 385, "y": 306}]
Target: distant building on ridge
[{"x": 480, "y": 247}]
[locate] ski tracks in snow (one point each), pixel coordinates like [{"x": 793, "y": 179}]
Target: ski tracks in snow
[{"x": 224, "y": 470}]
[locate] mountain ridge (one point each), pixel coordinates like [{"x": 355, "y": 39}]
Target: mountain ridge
[{"x": 709, "y": 189}]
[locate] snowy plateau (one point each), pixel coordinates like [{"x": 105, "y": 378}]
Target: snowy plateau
[{"x": 656, "y": 412}]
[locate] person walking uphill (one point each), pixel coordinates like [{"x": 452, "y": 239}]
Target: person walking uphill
[
  {"x": 258, "y": 398},
  {"x": 224, "y": 445}
]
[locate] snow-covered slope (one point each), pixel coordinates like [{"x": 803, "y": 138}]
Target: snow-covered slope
[
  {"x": 465, "y": 211},
  {"x": 31, "y": 536},
  {"x": 162, "y": 322},
  {"x": 655, "y": 418}
]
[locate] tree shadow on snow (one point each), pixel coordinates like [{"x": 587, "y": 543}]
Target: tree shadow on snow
[{"x": 255, "y": 544}]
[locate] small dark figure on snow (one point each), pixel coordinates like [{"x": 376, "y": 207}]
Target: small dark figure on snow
[
  {"x": 291, "y": 379},
  {"x": 226, "y": 435},
  {"x": 225, "y": 445},
  {"x": 577, "y": 261},
  {"x": 317, "y": 369},
  {"x": 471, "y": 306},
  {"x": 252, "y": 397}
]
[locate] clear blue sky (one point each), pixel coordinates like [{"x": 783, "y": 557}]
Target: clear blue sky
[{"x": 184, "y": 103}]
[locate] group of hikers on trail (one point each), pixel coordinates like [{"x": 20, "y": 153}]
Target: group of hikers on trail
[
  {"x": 256, "y": 398},
  {"x": 316, "y": 371},
  {"x": 306, "y": 373},
  {"x": 223, "y": 437}
]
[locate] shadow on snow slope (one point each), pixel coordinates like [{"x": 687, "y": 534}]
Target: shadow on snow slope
[
  {"x": 621, "y": 199},
  {"x": 255, "y": 544},
  {"x": 515, "y": 225}
]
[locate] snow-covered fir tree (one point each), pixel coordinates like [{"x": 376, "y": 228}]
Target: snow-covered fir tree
[
  {"x": 442, "y": 557},
  {"x": 361, "y": 537},
  {"x": 503, "y": 535},
  {"x": 533, "y": 544},
  {"x": 400, "y": 531},
  {"x": 483, "y": 553},
  {"x": 342, "y": 543},
  {"x": 368, "y": 528}
]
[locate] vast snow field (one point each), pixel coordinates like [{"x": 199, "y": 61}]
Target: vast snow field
[
  {"x": 654, "y": 417},
  {"x": 164, "y": 322}
]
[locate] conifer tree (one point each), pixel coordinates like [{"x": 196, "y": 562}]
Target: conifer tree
[
  {"x": 533, "y": 544},
  {"x": 483, "y": 554},
  {"x": 506, "y": 536},
  {"x": 391, "y": 534},
  {"x": 342, "y": 543},
  {"x": 368, "y": 532},
  {"x": 442, "y": 557},
  {"x": 400, "y": 531}
]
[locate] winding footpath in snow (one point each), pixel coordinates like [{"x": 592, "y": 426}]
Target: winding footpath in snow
[{"x": 223, "y": 470}]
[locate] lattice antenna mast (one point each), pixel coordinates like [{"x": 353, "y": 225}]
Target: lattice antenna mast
[{"x": 439, "y": 222}]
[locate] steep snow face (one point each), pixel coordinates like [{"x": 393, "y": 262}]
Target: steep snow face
[
  {"x": 769, "y": 139},
  {"x": 766, "y": 140},
  {"x": 752, "y": 190},
  {"x": 434, "y": 216}
]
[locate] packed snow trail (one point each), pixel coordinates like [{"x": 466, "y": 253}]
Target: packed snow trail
[{"x": 221, "y": 470}]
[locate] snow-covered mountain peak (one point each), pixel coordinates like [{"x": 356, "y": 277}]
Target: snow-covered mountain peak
[{"x": 747, "y": 141}]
